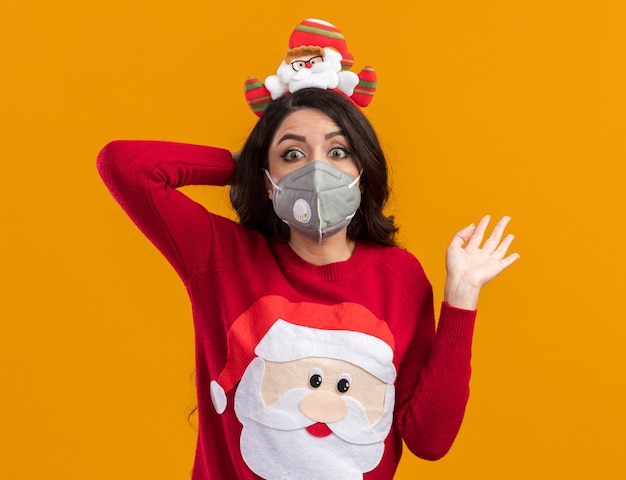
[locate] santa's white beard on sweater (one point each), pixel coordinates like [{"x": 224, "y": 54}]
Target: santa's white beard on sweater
[{"x": 276, "y": 445}]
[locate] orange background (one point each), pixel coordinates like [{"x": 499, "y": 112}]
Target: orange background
[{"x": 494, "y": 107}]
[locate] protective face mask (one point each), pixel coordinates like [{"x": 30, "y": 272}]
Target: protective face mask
[{"x": 317, "y": 199}]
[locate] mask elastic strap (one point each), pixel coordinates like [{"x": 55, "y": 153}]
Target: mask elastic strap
[
  {"x": 356, "y": 179},
  {"x": 269, "y": 177}
]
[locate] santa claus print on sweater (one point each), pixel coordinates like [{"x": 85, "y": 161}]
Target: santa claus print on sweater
[{"x": 314, "y": 388}]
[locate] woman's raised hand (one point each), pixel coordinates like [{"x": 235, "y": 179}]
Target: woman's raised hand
[{"x": 471, "y": 263}]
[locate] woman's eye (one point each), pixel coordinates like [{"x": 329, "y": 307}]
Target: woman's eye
[
  {"x": 291, "y": 155},
  {"x": 338, "y": 153}
]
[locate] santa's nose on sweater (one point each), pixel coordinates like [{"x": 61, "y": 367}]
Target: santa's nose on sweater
[{"x": 323, "y": 406}]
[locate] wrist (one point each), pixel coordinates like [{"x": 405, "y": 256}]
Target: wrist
[{"x": 461, "y": 295}]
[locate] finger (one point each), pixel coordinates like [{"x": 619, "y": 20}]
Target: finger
[
  {"x": 502, "y": 248},
  {"x": 479, "y": 232},
  {"x": 508, "y": 261},
  {"x": 462, "y": 236},
  {"x": 494, "y": 239}
]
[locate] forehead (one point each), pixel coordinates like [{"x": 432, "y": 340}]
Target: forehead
[{"x": 307, "y": 120}]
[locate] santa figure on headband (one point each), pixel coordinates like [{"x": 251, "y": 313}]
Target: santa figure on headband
[
  {"x": 314, "y": 392},
  {"x": 318, "y": 56}
]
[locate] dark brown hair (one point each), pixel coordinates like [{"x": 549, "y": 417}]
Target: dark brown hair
[{"x": 248, "y": 191}]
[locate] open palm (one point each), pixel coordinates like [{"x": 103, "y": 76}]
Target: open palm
[{"x": 471, "y": 263}]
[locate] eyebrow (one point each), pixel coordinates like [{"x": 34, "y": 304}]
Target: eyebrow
[
  {"x": 291, "y": 136},
  {"x": 338, "y": 133},
  {"x": 301, "y": 138}
]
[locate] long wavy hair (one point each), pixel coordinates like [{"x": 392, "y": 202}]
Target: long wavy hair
[{"x": 248, "y": 192}]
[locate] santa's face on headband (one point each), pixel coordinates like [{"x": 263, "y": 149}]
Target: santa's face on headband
[
  {"x": 307, "y": 67},
  {"x": 313, "y": 418}
]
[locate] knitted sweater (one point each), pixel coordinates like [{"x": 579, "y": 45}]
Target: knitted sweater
[{"x": 416, "y": 396}]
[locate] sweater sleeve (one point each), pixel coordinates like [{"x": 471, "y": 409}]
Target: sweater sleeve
[
  {"x": 143, "y": 177},
  {"x": 436, "y": 375}
]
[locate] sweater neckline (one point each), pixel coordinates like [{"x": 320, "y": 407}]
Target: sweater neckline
[{"x": 292, "y": 264}]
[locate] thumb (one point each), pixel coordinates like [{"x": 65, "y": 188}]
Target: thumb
[{"x": 463, "y": 236}]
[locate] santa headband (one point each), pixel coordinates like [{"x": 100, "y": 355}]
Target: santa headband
[
  {"x": 277, "y": 330},
  {"x": 329, "y": 46}
]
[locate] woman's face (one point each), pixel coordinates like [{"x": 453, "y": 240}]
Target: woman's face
[{"x": 307, "y": 135}]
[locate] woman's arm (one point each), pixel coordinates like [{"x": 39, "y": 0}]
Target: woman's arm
[
  {"x": 143, "y": 177},
  {"x": 433, "y": 382},
  {"x": 434, "y": 389}
]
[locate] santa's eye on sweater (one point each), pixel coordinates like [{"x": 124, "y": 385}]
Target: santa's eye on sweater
[
  {"x": 343, "y": 384},
  {"x": 316, "y": 377}
]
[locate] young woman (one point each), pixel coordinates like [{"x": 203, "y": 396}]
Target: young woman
[{"x": 316, "y": 348}]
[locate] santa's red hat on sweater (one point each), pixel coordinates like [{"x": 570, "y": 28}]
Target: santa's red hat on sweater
[{"x": 275, "y": 329}]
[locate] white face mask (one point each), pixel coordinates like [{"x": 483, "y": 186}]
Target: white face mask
[{"x": 317, "y": 199}]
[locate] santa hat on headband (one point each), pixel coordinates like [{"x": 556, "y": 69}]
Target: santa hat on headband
[
  {"x": 313, "y": 32},
  {"x": 277, "y": 330},
  {"x": 321, "y": 34}
]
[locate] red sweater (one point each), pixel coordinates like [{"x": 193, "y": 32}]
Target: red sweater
[{"x": 227, "y": 270}]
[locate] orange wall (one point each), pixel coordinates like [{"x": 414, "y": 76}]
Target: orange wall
[{"x": 483, "y": 107}]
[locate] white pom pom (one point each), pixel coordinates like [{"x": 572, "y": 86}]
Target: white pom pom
[{"x": 218, "y": 396}]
